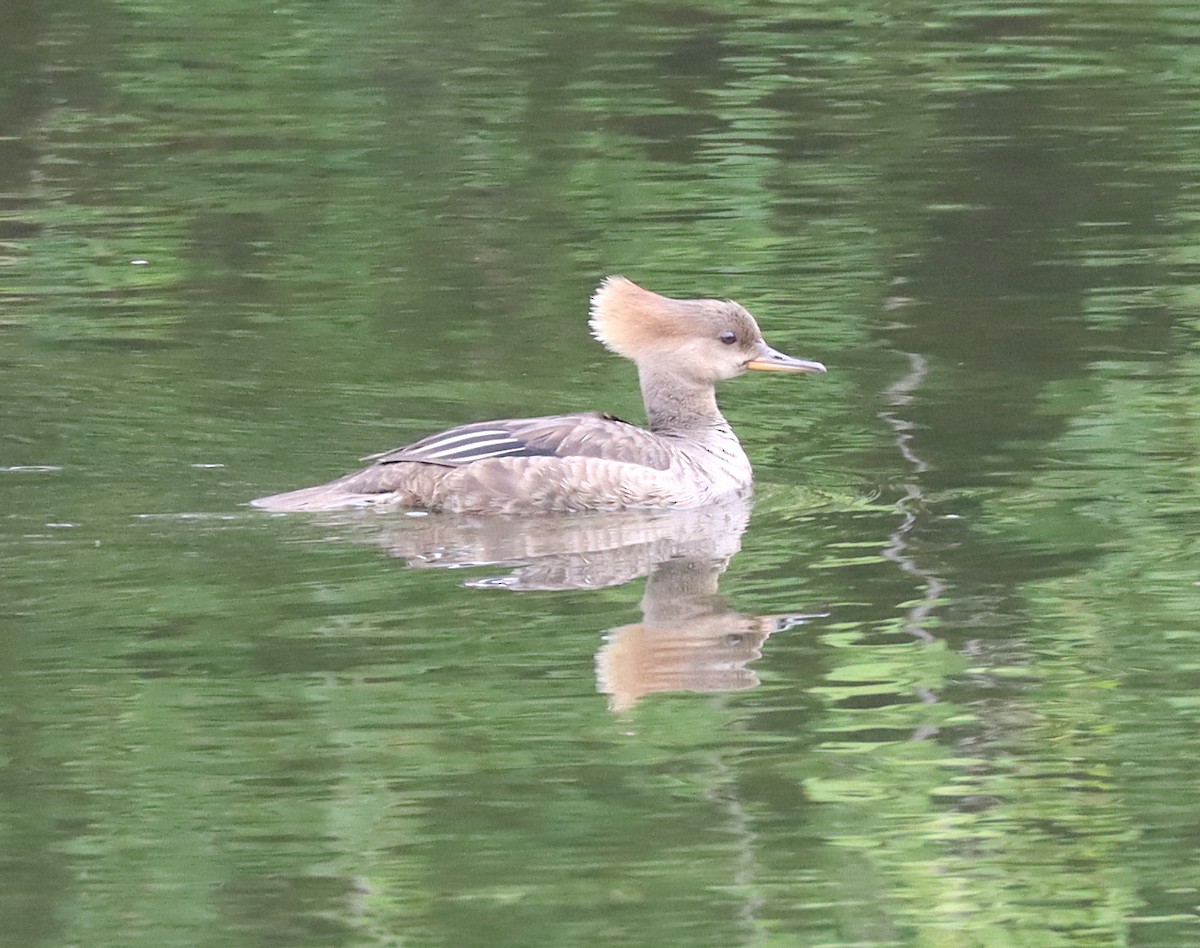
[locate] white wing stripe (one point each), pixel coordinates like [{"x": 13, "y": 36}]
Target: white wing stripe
[
  {"x": 471, "y": 448},
  {"x": 437, "y": 442}
]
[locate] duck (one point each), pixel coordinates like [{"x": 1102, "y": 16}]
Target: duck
[{"x": 687, "y": 456}]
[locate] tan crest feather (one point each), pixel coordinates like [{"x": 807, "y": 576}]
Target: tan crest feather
[{"x": 628, "y": 319}]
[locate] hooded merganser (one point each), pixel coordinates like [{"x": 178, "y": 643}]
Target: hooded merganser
[{"x": 687, "y": 457}]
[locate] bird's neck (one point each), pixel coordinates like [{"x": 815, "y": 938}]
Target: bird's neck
[{"x": 675, "y": 404}]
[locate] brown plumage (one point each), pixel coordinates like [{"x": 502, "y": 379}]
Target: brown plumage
[{"x": 687, "y": 457}]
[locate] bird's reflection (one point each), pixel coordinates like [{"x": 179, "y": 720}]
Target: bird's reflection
[{"x": 689, "y": 638}]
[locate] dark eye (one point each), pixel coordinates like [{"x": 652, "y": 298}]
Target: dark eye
[{"x": 728, "y": 337}]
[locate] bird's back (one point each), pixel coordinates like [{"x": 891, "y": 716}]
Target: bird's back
[{"x": 555, "y": 463}]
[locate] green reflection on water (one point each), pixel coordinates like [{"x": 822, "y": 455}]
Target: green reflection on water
[{"x": 359, "y": 224}]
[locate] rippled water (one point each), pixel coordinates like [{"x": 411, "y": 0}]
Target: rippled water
[{"x": 937, "y": 684}]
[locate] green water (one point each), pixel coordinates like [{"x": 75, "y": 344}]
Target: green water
[{"x": 938, "y": 685}]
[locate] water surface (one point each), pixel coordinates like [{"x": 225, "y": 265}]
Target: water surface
[{"x": 937, "y": 684}]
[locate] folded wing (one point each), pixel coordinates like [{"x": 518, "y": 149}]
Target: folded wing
[{"x": 592, "y": 435}]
